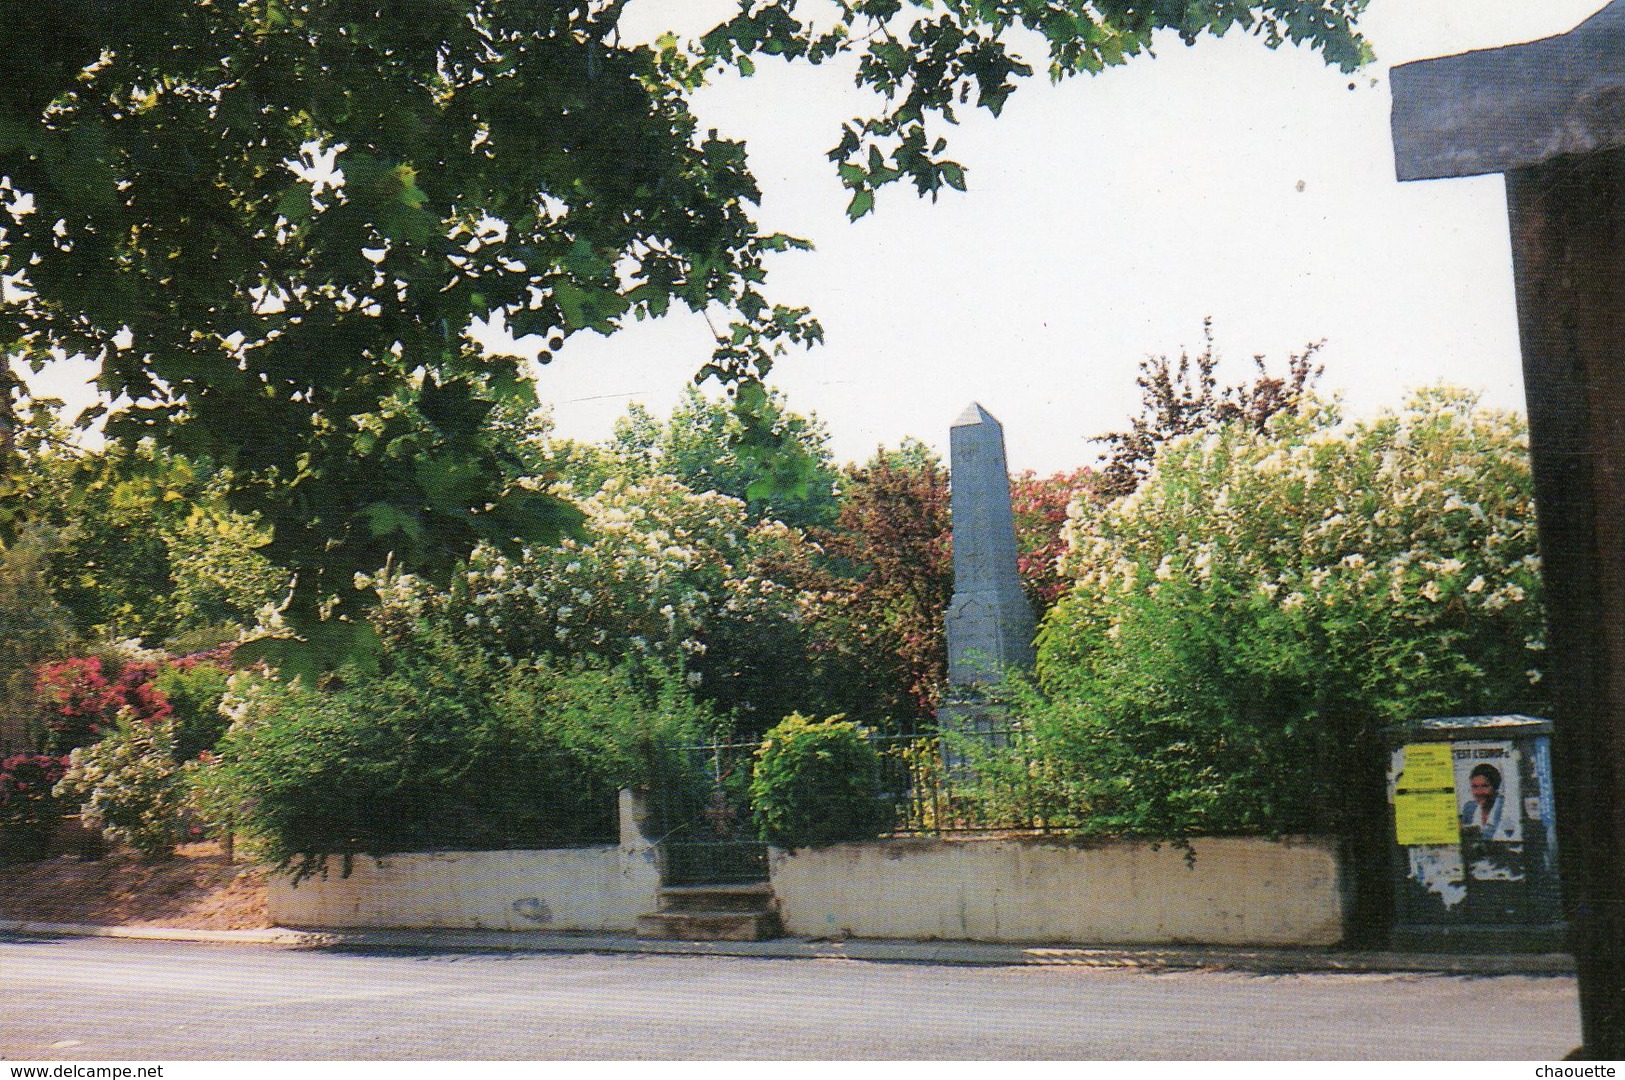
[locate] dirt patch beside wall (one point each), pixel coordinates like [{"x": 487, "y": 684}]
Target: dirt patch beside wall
[{"x": 196, "y": 890}]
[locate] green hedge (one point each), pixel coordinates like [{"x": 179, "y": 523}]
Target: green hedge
[{"x": 441, "y": 754}]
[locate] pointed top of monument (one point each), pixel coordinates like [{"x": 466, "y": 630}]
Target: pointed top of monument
[{"x": 975, "y": 414}]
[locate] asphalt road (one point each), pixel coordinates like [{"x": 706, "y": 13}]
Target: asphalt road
[{"x": 167, "y": 1001}]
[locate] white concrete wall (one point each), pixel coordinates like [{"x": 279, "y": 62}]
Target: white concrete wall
[
  {"x": 597, "y": 888},
  {"x": 594, "y": 888},
  {"x": 1238, "y": 891}
]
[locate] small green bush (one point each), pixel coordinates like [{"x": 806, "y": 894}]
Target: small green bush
[
  {"x": 130, "y": 786},
  {"x": 817, "y": 782},
  {"x": 193, "y": 687}
]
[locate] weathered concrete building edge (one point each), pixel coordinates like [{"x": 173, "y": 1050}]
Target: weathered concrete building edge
[{"x": 1555, "y": 96}]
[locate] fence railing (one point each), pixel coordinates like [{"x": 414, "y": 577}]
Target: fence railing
[{"x": 968, "y": 782}]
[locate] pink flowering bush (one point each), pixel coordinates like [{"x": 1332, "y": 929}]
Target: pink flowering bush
[
  {"x": 83, "y": 696},
  {"x": 26, "y": 783}
]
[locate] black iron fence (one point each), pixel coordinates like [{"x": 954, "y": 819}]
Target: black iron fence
[
  {"x": 985, "y": 780},
  {"x": 980, "y": 781}
]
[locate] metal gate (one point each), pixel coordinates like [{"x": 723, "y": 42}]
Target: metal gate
[{"x": 706, "y": 829}]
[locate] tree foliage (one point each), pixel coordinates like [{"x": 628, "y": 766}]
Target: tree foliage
[
  {"x": 1039, "y": 505},
  {"x": 1177, "y": 399},
  {"x": 271, "y": 222},
  {"x": 34, "y": 628},
  {"x": 885, "y": 584},
  {"x": 143, "y": 545},
  {"x": 696, "y": 445}
]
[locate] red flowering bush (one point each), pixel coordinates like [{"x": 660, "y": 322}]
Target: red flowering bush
[
  {"x": 26, "y": 781},
  {"x": 83, "y": 696}
]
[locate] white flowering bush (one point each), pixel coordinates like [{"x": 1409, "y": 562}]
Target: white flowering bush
[
  {"x": 652, "y": 567},
  {"x": 131, "y": 787},
  {"x": 1243, "y": 625},
  {"x": 664, "y": 574}
]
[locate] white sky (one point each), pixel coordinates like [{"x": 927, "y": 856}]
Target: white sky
[{"x": 1105, "y": 217}]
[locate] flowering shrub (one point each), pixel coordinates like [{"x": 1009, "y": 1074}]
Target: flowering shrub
[
  {"x": 664, "y": 575},
  {"x": 131, "y": 786},
  {"x": 26, "y": 781},
  {"x": 1244, "y": 624},
  {"x": 82, "y": 697},
  {"x": 652, "y": 570}
]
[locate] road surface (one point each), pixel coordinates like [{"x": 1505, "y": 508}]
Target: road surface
[{"x": 91, "y": 999}]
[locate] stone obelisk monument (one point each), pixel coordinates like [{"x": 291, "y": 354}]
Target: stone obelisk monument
[{"x": 990, "y": 623}]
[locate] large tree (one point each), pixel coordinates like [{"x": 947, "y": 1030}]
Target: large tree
[
  {"x": 695, "y": 445},
  {"x": 141, "y": 543},
  {"x": 272, "y": 222},
  {"x": 886, "y": 581}
]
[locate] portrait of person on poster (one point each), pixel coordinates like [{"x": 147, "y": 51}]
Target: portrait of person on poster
[{"x": 1487, "y": 789}]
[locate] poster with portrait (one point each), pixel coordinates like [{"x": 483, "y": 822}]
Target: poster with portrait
[{"x": 1487, "y": 791}]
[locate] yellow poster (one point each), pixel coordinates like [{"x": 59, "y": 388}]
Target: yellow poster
[
  {"x": 1426, "y": 817},
  {"x": 1425, "y": 797},
  {"x": 1429, "y": 766}
]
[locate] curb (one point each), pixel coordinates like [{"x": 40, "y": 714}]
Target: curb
[
  {"x": 1264, "y": 961},
  {"x": 275, "y": 935}
]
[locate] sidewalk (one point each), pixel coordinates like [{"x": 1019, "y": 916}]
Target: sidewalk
[{"x": 1263, "y": 961}]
